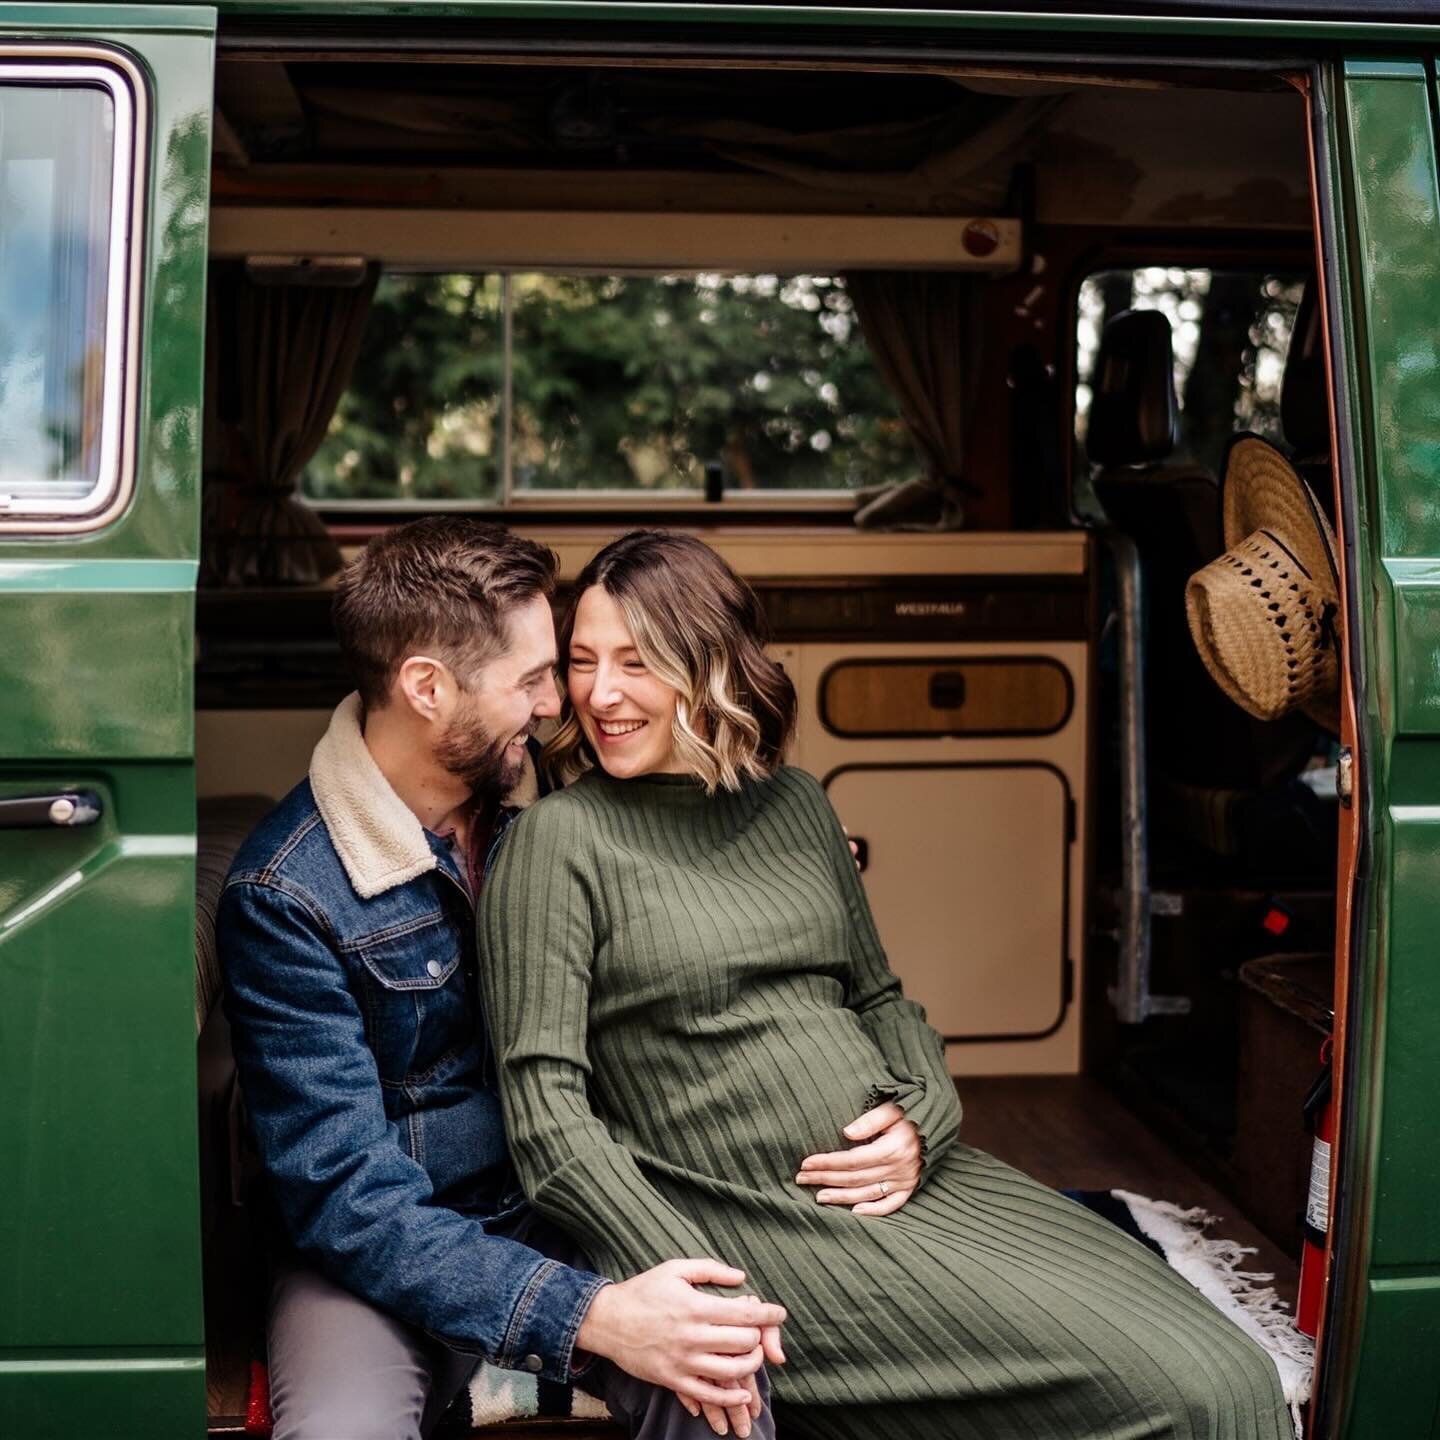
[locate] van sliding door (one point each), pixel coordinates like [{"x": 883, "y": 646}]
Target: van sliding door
[
  {"x": 104, "y": 191},
  {"x": 1379, "y": 1366}
]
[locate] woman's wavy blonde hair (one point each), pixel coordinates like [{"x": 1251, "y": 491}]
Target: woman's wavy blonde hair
[{"x": 698, "y": 627}]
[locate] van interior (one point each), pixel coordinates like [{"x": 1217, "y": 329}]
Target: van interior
[{"x": 1057, "y": 289}]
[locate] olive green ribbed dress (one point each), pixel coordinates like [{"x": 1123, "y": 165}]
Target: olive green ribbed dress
[{"x": 687, "y": 996}]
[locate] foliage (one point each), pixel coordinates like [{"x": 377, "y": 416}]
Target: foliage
[
  {"x": 618, "y": 382},
  {"x": 419, "y": 419}
]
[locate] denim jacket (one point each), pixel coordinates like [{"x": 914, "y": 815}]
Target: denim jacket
[{"x": 347, "y": 940}]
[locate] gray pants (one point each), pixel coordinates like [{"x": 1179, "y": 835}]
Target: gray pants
[{"x": 342, "y": 1370}]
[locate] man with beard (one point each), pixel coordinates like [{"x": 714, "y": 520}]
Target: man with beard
[{"x": 404, "y": 1252}]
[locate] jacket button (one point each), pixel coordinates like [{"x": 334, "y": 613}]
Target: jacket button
[
  {"x": 435, "y": 967},
  {"x": 533, "y": 1363}
]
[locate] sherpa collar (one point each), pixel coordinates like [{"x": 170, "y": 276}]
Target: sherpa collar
[{"x": 380, "y": 841}]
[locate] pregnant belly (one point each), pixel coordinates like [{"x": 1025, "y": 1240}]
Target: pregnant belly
[{"x": 745, "y": 1100}]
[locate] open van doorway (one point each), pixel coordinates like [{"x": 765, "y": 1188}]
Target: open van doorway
[{"x": 491, "y": 262}]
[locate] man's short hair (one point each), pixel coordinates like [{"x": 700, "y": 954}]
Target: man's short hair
[{"x": 443, "y": 586}]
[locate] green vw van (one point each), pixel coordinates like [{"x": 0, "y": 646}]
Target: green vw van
[{"x": 938, "y": 323}]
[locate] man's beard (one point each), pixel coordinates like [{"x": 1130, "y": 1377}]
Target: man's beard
[{"x": 472, "y": 754}]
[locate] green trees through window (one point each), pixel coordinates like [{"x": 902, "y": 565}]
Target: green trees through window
[{"x": 609, "y": 383}]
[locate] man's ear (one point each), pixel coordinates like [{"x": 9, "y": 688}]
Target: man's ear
[{"x": 426, "y": 687}]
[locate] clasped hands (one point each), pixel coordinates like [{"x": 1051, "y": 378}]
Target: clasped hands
[{"x": 706, "y": 1348}]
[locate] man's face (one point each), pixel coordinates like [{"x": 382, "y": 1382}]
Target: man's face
[{"x": 483, "y": 742}]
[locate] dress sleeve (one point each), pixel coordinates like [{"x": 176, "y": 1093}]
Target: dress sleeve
[
  {"x": 913, "y": 1051},
  {"x": 537, "y": 948}
]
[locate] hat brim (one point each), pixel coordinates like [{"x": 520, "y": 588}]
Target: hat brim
[{"x": 1260, "y": 490}]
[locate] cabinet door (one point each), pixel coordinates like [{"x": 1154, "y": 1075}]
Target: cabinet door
[
  {"x": 104, "y": 176},
  {"x": 972, "y": 914}
]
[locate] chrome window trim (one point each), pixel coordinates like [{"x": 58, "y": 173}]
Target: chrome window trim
[{"x": 59, "y": 65}]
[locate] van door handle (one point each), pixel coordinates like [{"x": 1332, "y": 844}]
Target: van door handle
[{"x": 63, "y": 811}]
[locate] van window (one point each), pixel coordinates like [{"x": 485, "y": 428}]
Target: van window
[
  {"x": 528, "y": 387},
  {"x": 65, "y": 135},
  {"x": 1230, "y": 330}
]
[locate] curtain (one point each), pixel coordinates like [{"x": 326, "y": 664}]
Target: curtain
[
  {"x": 278, "y": 359},
  {"x": 923, "y": 330}
]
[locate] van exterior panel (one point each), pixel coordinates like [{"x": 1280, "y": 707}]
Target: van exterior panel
[
  {"x": 1397, "y": 1395},
  {"x": 97, "y": 1041},
  {"x": 1172, "y": 22},
  {"x": 92, "y": 673},
  {"x": 119, "y": 1397},
  {"x": 100, "y": 1306},
  {"x": 1415, "y": 585},
  {"x": 1397, "y": 211},
  {"x": 1406, "y": 1215},
  {"x": 1385, "y": 1318},
  {"x": 1398, "y": 215}
]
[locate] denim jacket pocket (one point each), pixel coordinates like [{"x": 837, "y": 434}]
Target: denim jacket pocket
[{"x": 414, "y": 996}]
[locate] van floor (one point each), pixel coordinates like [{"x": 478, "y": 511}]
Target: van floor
[
  {"x": 1071, "y": 1132},
  {"x": 1068, "y": 1131}
]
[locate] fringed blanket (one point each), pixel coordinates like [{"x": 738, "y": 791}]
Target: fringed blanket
[{"x": 1213, "y": 1266}]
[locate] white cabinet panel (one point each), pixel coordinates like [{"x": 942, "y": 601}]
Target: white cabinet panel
[{"x": 967, "y": 879}]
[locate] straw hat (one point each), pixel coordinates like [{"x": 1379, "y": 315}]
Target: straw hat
[{"x": 1264, "y": 616}]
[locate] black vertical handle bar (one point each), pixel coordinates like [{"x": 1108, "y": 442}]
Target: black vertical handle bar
[{"x": 62, "y": 811}]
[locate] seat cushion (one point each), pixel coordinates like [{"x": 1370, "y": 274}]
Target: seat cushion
[{"x": 223, "y": 823}]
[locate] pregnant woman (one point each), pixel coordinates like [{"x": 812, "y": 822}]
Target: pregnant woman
[{"x": 688, "y": 998}]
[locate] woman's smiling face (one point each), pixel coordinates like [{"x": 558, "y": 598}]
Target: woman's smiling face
[{"x": 626, "y": 713}]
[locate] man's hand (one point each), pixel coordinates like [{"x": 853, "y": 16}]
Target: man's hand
[
  {"x": 875, "y": 1178},
  {"x": 723, "y": 1419},
  {"x": 736, "y": 1417},
  {"x": 661, "y": 1329}
]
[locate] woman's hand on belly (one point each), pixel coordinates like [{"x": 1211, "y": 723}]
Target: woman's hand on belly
[{"x": 879, "y": 1174}]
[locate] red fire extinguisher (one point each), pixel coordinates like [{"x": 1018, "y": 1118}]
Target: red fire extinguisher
[{"x": 1320, "y": 1121}]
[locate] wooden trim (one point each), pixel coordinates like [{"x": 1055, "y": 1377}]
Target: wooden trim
[
  {"x": 537, "y": 239},
  {"x": 810, "y": 554}
]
